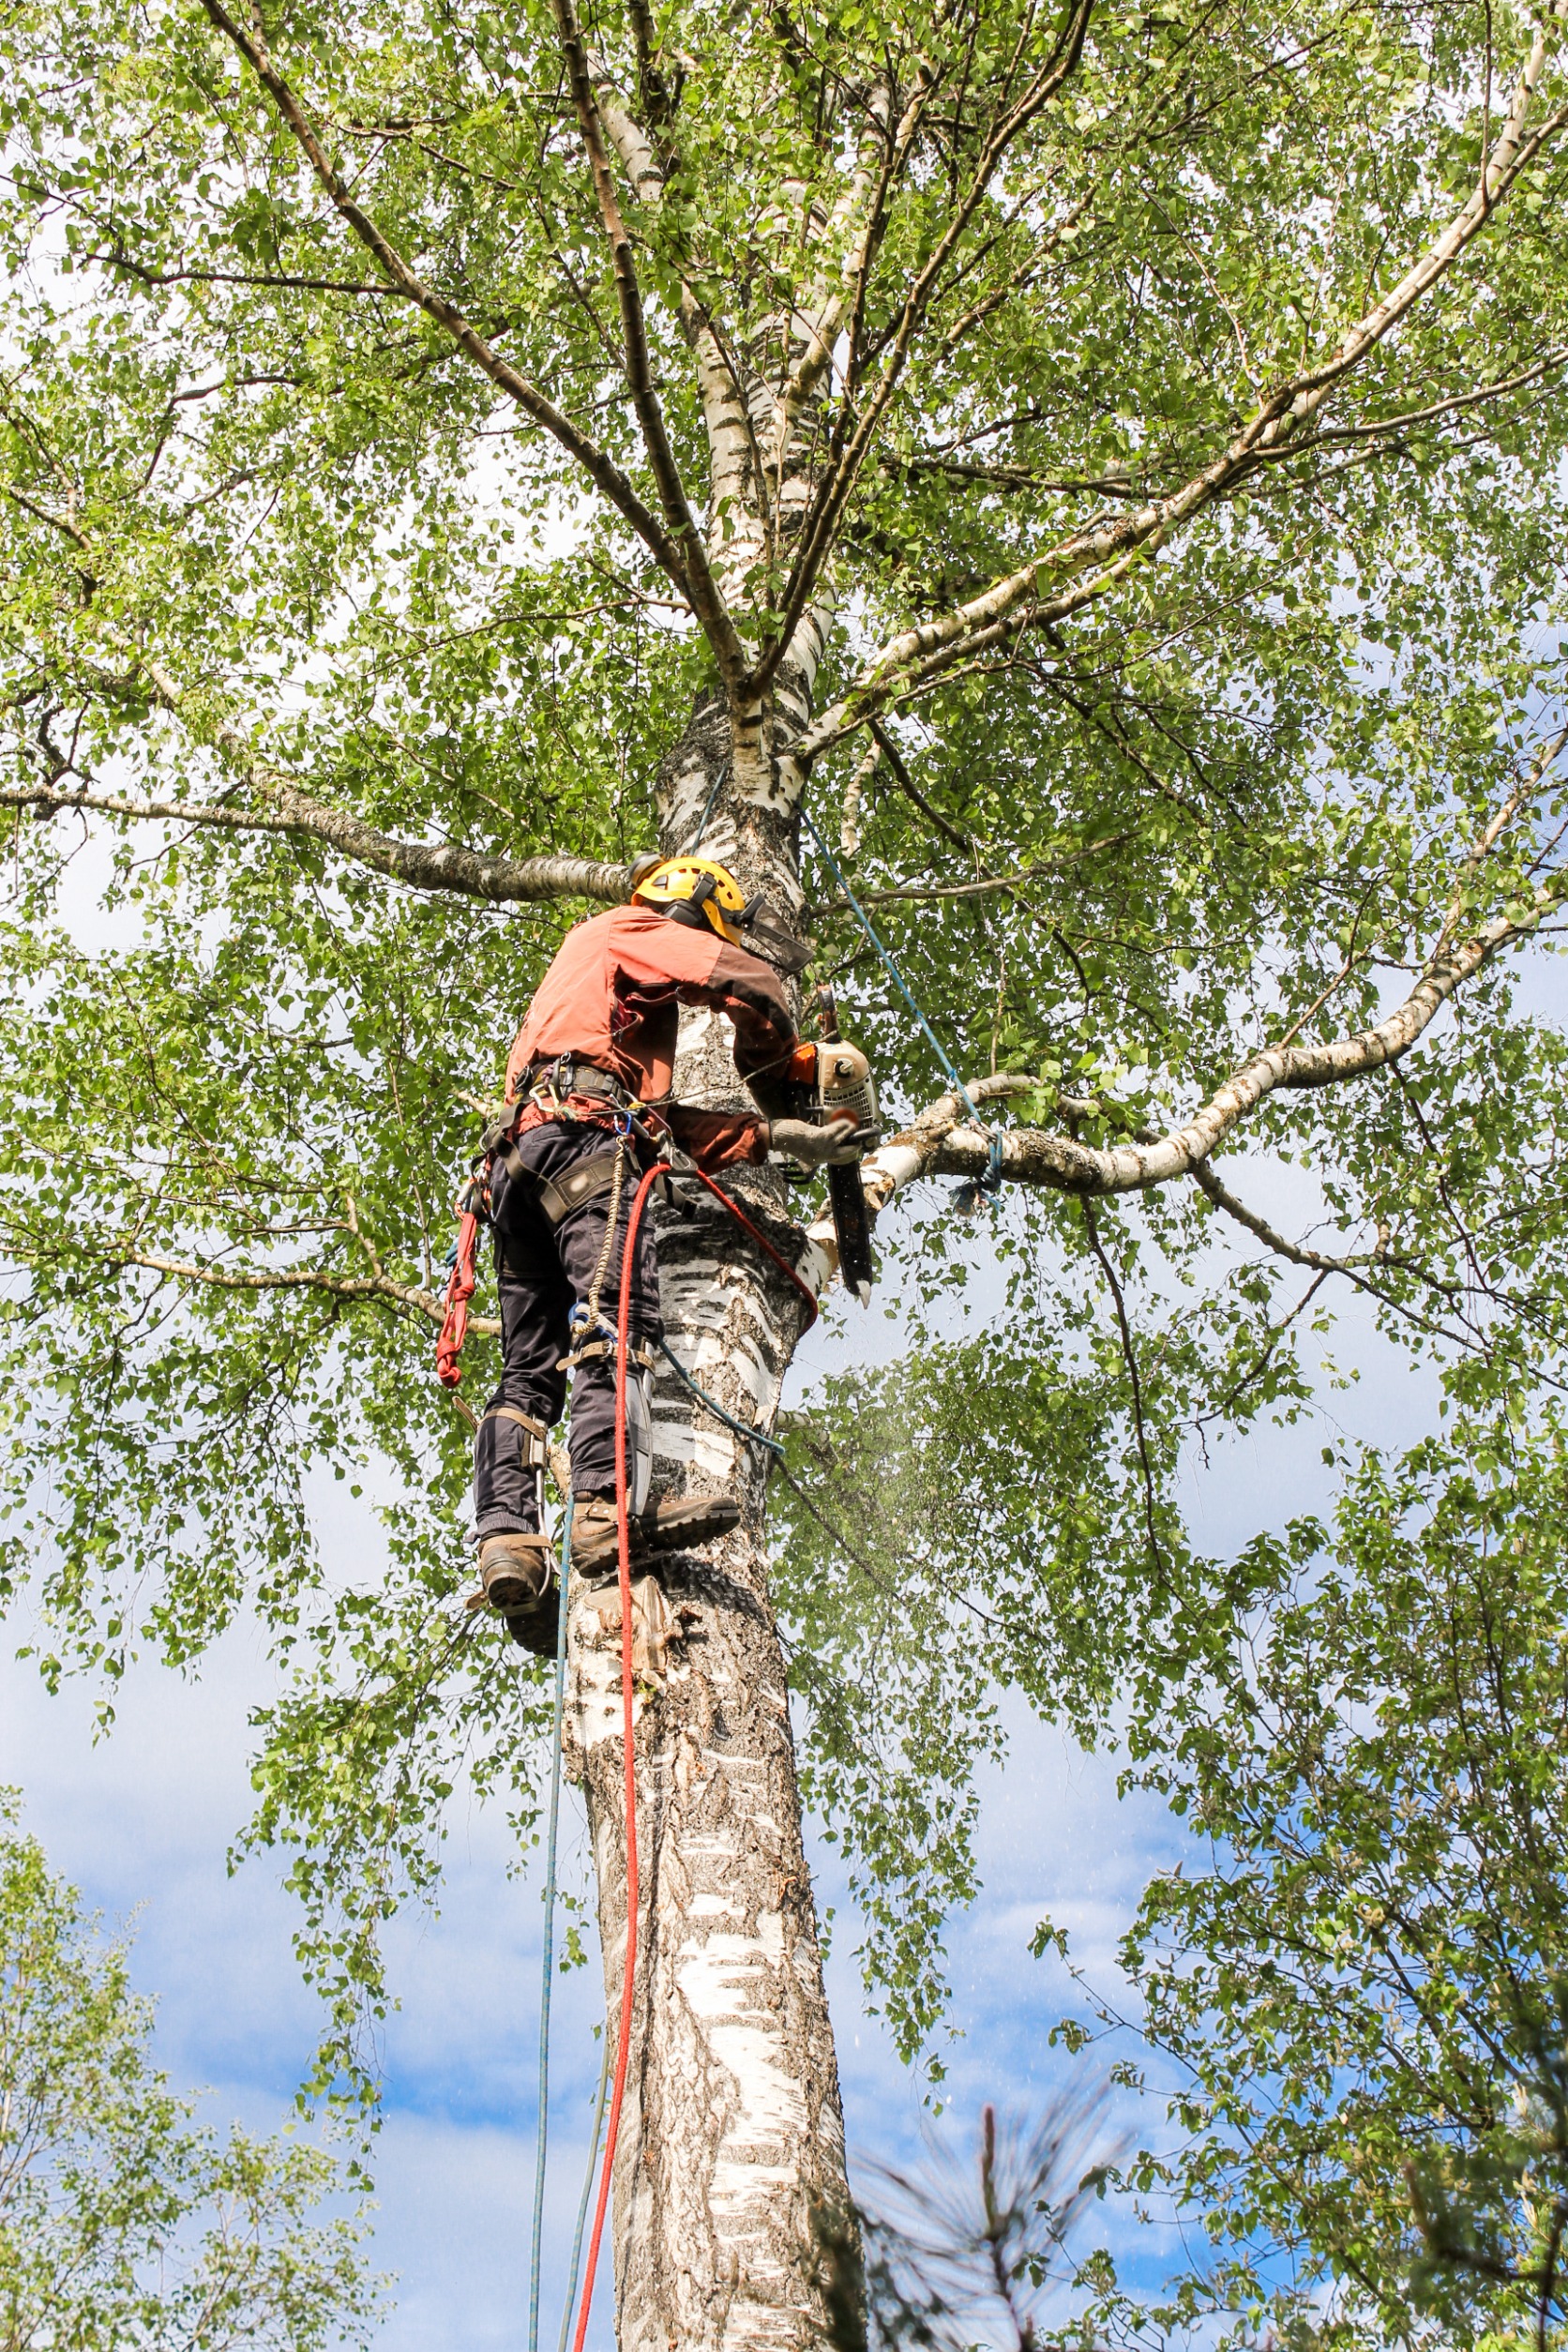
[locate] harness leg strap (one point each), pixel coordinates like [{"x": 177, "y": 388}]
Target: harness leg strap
[
  {"x": 556, "y": 1196},
  {"x": 535, "y": 1437}
]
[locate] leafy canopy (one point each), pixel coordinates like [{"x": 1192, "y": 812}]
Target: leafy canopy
[
  {"x": 121, "y": 2224},
  {"x": 1158, "y": 408}
]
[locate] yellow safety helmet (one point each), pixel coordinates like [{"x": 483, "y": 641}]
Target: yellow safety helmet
[{"x": 694, "y": 890}]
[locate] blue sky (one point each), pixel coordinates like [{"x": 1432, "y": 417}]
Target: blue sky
[{"x": 142, "y": 1822}]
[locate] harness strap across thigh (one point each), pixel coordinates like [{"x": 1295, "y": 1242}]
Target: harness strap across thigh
[{"x": 556, "y": 1196}]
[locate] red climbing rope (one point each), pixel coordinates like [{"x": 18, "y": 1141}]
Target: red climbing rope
[
  {"x": 454, "y": 1328},
  {"x": 623, "y": 1532}
]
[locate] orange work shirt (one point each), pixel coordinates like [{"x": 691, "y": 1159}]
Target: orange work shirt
[{"x": 612, "y": 997}]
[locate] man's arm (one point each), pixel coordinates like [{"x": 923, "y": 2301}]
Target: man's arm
[
  {"x": 706, "y": 970},
  {"x": 752, "y": 994}
]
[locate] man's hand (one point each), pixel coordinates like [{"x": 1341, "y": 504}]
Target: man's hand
[{"x": 834, "y": 1145}]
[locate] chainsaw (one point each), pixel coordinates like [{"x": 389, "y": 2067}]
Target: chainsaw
[{"x": 842, "y": 1085}]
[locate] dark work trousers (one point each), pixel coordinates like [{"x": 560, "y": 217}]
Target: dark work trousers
[{"x": 541, "y": 1272}]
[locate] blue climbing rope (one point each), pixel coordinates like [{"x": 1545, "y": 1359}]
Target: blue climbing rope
[
  {"x": 693, "y": 845},
  {"x": 755, "y": 1436},
  {"x": 587, "y": 2191},
  {"x": 992, "y": 1180},
  {"x": 543, "y": 2136}
]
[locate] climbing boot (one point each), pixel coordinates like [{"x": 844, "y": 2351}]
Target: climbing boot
[
  {"x": 516, "y": 1571},
  {"x": 679, "y": 1523}
]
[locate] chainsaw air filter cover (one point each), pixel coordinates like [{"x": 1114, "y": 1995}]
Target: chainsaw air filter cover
[{"x": 845, "y": 1084}]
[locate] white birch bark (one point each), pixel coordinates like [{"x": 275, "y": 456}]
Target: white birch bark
[{"x": 732, "y": 2129}]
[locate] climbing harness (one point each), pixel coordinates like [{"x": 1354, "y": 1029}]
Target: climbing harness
[
  {"x": 555, "y": 1197},
  {"x": 529, "y": 1442},
  {"x": 558, "y": 1719},
  {"x": 992, "y": 1180}
]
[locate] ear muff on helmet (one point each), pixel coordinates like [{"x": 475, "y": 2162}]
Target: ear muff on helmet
[{"x": 694, "y": 890}]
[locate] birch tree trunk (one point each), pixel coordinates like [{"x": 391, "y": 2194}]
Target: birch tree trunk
[{"x": 732, "y": 2129}]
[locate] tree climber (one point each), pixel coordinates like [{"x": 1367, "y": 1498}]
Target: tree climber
[{"x": 588, "y": 1101}]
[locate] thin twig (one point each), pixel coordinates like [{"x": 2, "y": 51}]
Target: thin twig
[{"x": 1129, "y": 1357}]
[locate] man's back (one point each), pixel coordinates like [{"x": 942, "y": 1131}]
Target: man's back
[{"x": 613, "y": 993}]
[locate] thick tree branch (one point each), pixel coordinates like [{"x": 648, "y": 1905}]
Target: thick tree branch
[
  {"x": 899, "y": 1161},
  {"x": 370, "y": 1286},
  {"x": 600, "y": 468},
  {"x": 700, "y": 586},
  {"x": 629, "y": 138},
  {"x": 1089, "y": 563},
  {"x": 736, "y": 472},
  {"x": 859, "y": 215},
  {"x": 423, "y": 866},
  {"x": 262, "y": 1278}
]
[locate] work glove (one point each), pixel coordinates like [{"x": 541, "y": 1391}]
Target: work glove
[{"x": 836, "y": 1145}]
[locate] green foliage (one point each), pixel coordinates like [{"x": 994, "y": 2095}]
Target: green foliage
[
  {"x": 122, "y": 2225},
  {"x": 263, "y": 530},
  {"x": 1360, "y": 1968},
  {"x": 945, "y": 2260}
]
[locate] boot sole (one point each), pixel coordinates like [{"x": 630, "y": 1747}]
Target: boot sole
[
  {"x": 508, "y": 1589},
  {"x": 535, "y": 1629},
  {"x": 506, "y": 1593}
]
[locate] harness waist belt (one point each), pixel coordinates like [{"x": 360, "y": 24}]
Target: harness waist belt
[{"x": 570, "y": 1077}]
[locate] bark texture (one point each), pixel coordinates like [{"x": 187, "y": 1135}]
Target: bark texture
[{"x": 731, "y": 2129}]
